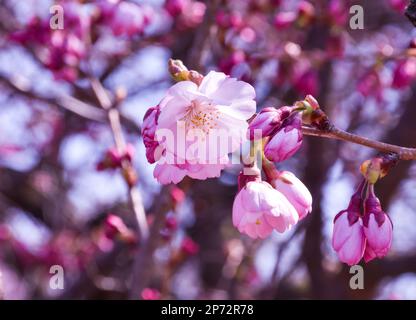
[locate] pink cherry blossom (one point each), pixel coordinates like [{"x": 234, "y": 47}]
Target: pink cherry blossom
[
  {"x": 377, "y": 228},
  {"x": 348, "y": 238},
  {"x": 295, "y": 191},
  {"x": 259, "y": 209},
  {"x": 285, "y": 142},
  {"x": 219, "y": 105}
]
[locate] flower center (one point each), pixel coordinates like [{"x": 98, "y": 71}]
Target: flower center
[{"x": 201, "y": 115}]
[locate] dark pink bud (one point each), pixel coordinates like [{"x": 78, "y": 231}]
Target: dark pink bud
[
  {"x": 115, "y": 227},
  {"x": 398, "y": 5},
  {"x": 171, "y": 223},
  {"x": 112, "y": 160},
  {"x": 404, "y": 73},
  {"x": 177, "y": 195},
  {"x": 268, "y": 120},
  {"x": 175, "y": 7},
  {"x": 189, "y": 246},
  {"x": 338, "y": 12},
  {"x": 285, "y": 142},
  {"x": 370, "y": 84}
]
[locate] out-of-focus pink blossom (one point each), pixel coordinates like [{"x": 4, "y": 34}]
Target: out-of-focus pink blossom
[
  {"x": 404, "y": 73},
  {"x": 115, "y": 227},
  {"x": 177, "y": 195},
  {"x": 336, "y": 46},
  {"x": 188, "y": 13},
  {"x": 113, "y": 158},
  {"x": 370, "y": 85},
  {"x": 189, "y": 246},
  {"x": 150, "y": 294},
  {"x": 284, "y": 143},
  {"x": 306, "y": 12},
  {"x": 398, "y": 5},
  {"x": 175, "y": 7},
  {"x": 338, "y": 12},
  {"x": 307, "y": 82},
  {"x": 226, "y": 65},
  {"x": 125, "y": 18},
  {"x": 229, "y": 19},
  {"x": 283, "y": 20}
]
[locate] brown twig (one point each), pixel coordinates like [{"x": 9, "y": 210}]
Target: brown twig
[{"x": 335, "y": 133}]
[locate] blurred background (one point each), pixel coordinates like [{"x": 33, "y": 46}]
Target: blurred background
[{"x": 64, "y": 202}]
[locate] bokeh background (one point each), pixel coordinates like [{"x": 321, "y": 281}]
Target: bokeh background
[{"x": 57, "y": 208}]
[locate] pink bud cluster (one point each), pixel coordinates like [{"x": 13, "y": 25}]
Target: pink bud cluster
[
  {"x": 363, "y": 230},
  {"x": 61, "y": 50},
  {"x": 282, "y": 127}
]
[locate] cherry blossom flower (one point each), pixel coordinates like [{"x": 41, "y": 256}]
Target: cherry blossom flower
[
  {"x": 259, "y": 209},
  {"x": 219, "y": 107}
]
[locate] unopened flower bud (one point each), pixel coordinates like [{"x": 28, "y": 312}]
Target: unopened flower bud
[
  {"x": 284, "y": 143},
  {"x": 267, "y": 120},
  {"x": 178, "y": 70},
  {"x": 377, "y": 228}
]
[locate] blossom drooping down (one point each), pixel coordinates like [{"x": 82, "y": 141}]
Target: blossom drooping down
[
  {"x": 348, "y": 238},
  {"x": 261, "y": 207},
  {"x": 358, "y": 234},
  {"x": 212, "y": 115},
  {"x": 378, "y": 229}
]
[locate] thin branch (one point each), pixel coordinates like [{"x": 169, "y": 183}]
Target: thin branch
[
  {"x": 21, "y": 86},
  {"x": 335, "y": 133},
  {"x": 115, "y": 124}
]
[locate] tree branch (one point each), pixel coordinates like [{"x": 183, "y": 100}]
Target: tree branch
[{"x": 335, "y": 133}]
